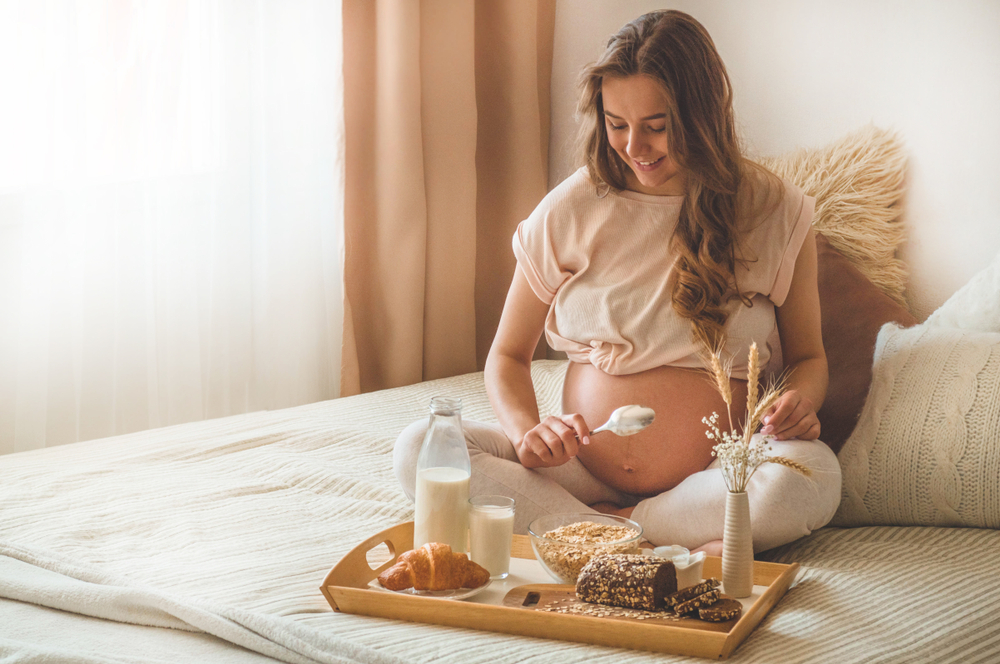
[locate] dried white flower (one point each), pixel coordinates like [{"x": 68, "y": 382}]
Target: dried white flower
[
  {"x": 739, "y": 452},
  {"x": 739, "y": 457}
]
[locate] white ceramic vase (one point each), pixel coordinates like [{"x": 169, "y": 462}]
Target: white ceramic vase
[{"x": 737, "y": 547}]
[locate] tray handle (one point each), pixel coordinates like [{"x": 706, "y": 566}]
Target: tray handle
[{"x": 353, "y": 570}]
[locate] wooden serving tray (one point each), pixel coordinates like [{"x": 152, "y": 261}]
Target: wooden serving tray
[{"x": 346, "y": 589}]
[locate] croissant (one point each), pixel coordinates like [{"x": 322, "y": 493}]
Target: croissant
[{"x": 433, "y": 566}]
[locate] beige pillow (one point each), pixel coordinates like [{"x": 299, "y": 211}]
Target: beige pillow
[{"x": 857, "y": 182}]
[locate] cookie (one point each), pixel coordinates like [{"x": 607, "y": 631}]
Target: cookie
[{"x": 723, "y": 610}]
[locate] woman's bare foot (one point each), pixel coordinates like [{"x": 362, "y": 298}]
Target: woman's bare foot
[
  {"x": 611, "y": 508},
  {"x": 713, "y": 548}
]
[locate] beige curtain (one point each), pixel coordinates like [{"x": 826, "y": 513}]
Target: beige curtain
[{"x": 446, "y": 125}]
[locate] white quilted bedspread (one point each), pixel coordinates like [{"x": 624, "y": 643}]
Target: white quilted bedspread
[{"x": 173, "y": 545}]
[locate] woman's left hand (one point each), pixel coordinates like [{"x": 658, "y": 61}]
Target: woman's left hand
[{"x": 792, "y": 416}]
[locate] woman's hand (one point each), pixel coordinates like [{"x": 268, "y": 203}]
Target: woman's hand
[
  {"x": 553, "y": 442},
  {"x": 792, "y": 416}
]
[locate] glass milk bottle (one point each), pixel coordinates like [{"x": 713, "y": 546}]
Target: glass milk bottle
[{"x": 441, "y": 513}]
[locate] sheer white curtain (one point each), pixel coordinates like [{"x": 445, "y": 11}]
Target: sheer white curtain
[{"x": 170, "y": 212}]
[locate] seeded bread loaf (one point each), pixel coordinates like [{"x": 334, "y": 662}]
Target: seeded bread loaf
[{"x": 629, "y": 580}]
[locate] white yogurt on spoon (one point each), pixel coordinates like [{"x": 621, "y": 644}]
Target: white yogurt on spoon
[{"x": 627, "y": 420}]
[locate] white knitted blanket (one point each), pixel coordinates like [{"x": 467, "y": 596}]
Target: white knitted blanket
[{"x": 39, "y": 579}]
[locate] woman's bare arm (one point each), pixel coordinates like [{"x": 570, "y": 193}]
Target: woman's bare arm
[
  {"x": 509, "y": 386},
  {"x": 799, "y": 324}
]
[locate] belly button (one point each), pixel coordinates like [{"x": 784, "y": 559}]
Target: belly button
[{"x": 628, "y": 468}]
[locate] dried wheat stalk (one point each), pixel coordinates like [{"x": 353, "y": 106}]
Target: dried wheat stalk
[
  {"x": 739, "y": 453},
  {"x": 720, "y": 372},
  {"x": 753, "y": 378},
  {"x": 794, "y": 465}
]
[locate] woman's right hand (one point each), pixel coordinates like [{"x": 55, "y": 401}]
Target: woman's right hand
[{"x": 553, "y": 441}]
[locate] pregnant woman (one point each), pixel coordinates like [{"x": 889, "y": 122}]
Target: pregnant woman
[{"x": 665, "y": 242}]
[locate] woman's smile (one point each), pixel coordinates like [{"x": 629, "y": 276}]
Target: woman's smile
[
  {"x": 648, "y": 165},
  {"x": 635, "y": 116}
]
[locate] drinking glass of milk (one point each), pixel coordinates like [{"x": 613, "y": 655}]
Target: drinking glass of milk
[
  {"x": 441, "y": 512},
  {"x": 491, "y": 527}
]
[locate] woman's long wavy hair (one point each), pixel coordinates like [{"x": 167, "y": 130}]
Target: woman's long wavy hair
[{"x": 674, "y": 49}]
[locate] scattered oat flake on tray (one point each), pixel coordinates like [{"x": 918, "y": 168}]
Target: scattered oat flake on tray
[{"x": 603, "y": 611}]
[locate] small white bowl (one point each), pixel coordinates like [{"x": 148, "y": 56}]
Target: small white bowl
[{"x": 688, "y": 565}]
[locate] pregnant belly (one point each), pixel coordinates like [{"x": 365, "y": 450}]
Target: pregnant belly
[{"x": 672, "y": 448}]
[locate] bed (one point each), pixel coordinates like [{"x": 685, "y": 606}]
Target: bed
[{"x": 208, "y": 541}]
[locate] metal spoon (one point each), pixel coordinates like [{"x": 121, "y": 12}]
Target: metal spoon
[{"x": 627, "y": 420}]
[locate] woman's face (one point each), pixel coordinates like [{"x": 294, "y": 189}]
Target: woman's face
[{"x": 635, "y": 109}]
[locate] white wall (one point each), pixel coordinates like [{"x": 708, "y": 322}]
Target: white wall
[{"x": 805, "y": 73}]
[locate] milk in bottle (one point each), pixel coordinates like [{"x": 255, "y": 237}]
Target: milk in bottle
[{"x": 441, "y": 513}]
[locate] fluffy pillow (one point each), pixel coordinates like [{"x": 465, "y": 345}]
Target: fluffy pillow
[
  {"x": 925, "y": 450},
  {"x": 853, "y": 310},
  {"x": 857, "y": 182}
]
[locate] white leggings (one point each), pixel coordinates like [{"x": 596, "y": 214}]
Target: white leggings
[{"x": 784, "y": 504}]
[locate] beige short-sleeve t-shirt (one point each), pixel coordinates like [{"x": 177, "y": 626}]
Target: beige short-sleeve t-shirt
[{"x": 602, "y": 261}]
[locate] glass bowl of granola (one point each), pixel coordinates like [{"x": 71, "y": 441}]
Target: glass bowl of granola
[{"x": 564, "y": 543}]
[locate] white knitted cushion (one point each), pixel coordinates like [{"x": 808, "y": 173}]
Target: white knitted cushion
[
  {"x": 926, "y": 451},
  {"x": 976, "y": 305}
]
